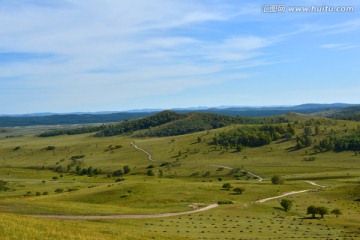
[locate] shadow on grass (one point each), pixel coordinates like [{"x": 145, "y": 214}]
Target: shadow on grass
[
  {"x": 291, "y": 149},
  {"x": 279, "y": 208},
  {"x": 310, "y": 218}
]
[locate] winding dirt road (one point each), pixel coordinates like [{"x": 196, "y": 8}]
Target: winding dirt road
[
  {"x": 290, "y": 193},
  {"x": 140, "y": 149},
  {"x": 160, "y": 215}
]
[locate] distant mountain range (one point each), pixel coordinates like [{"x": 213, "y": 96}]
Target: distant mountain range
[{"x": 335, "y": 110}]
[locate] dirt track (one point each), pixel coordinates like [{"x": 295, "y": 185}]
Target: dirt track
[{"x": 160, "y": 215}]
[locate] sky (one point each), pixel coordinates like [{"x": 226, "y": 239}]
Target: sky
[{"x": 111, "y": 55}]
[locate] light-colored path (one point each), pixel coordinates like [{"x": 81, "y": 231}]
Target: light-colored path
[
  {"x": 290, "y": 193},
  {"x": 315, "y": 184},
  {"x": 147, "y": 153},
  {"x": 250, "y": 173},
  {"x": 280, "y": 196},
  {"x": 160, "y": 215}
]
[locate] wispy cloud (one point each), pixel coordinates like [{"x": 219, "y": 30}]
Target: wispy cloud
[
  {"x": 339, "y": 46},
  {"x": 120, "y": 50}
]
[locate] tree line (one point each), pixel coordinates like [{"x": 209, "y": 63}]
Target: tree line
[{"x": 255, "y": 136}]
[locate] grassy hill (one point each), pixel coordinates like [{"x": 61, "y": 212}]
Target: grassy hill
[
  {"x": 40, "y": 177},
  {"x": 165, "y": 123},
  {"x": 350, "y": 113}
]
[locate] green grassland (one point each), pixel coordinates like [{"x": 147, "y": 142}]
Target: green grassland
[{"x": 188, "y": 169}]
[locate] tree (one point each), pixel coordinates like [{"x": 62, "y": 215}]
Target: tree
[
  {"x": 312, "y": 210},
  {"x": 126, "y": 169},
  {"x": 276, "y": 179},
  {"x": 286, "y": 204},
  {"x": 336, "y": 212},
  {"x": 322, "y": 211},
  {"x": 227, "y": 186},
  {"x": 239, "y": 190}
]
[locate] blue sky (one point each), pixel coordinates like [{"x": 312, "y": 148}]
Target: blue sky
[{"x": 87, "y": 55}]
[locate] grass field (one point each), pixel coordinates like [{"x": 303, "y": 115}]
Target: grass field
[{"x": 187, "y": 172}]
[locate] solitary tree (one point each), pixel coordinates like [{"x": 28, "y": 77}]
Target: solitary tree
[
  {"x": 286, "y": 204},
  {"x": 126, "y": 169},
  {"x": 312, "y": 210},
  {"x": 336, "y": 212},
  {"x": 276, "y": 179},
  {"x": 239, "y": 190},
  {"x": 322, "y": 211}
]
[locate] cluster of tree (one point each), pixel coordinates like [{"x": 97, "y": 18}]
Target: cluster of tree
[
  {"x": 252, "y": 136},
  {"x": 349, "y": 113},
  {"x": 121, "y": 172},
  {"x": 74, "y": 131},
  {"x": 180, "y": 124},
  {"x": 313, "y": 210},
  {"x": 196, "y": 122},
  {"x": 13, "y": 121},
  {"x": 303, "y": 141},
  {"x": 111, "y": 147},
  {"x": 339, "y": 144},
  {"x": 139, "y": 124},
  {"x": 90, "y": 171}
]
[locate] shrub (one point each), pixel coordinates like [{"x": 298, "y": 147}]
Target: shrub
[
  {"x": 239, "y": 190},
  {"x": 59, "y": 190},
  {"x": 4, "y": 186},
  {"x": 225, "y": 202},
  {"x": 150, "y": 172},
  {"x": 38, "y": 193},
  {"x": 276, "y": 179},
  {"x": 227, "y": 186}
]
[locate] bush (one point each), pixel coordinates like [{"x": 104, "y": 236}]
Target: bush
[
  {"x": 227, "y": 186},
  {"x": 4, "y": 186},
  {"x": 59, "y": 190},
  {"x": 38, "y": 193},
  {"x": 276, "y": 179},
  {"x": 150, "y": 172},
  {"x": 45, "y": 193},
  {"x": 239, "y": 190},
  {"x": 225, "y": 202},
  {"x": 119, "y": 179}
]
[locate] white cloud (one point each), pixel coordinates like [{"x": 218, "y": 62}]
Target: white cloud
[{"x": 339, "y": 46}]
